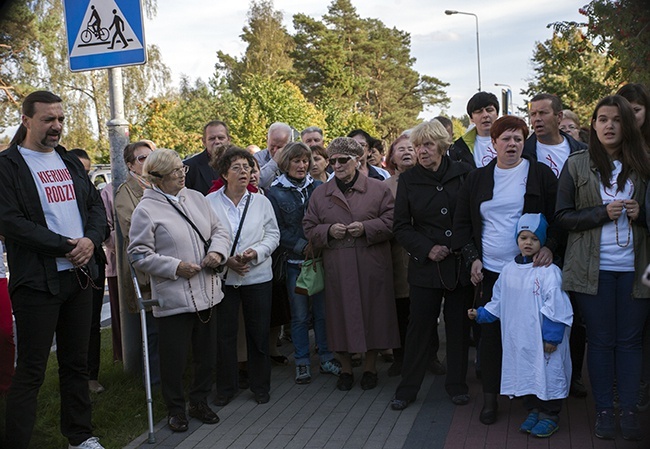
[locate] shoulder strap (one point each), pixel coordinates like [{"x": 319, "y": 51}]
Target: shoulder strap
[
  {"x": 205, "y": 242},
  {"x": 241, "y": 223}
]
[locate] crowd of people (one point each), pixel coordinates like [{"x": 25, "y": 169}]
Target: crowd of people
[{"x": 533, "y": 245}]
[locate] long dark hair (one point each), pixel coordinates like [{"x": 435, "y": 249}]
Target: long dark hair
[
  {"x": 29, "y": 107},
  {"x": 637, "y": 93},
  {"x": 633, "y": 152}
]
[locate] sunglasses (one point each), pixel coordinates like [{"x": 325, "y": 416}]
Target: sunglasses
[{"x": 341, "y": 160}]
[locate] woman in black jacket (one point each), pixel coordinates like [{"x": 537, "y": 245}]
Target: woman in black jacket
[
  {"x": 489, "y": 205},
  {"x": 424, "y": 207}
]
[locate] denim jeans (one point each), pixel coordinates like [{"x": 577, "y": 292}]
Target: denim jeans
[
  {"x": 614, "y": 322},
  {"x": 300, "y": 320}
]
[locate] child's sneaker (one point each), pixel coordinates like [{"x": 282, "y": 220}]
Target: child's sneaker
[
  {"x": 605, "y": 425},
  {"x": 303, "y": 374},
  {"x": 330, "y": 367},
  {"x": 544, "y": 428},
  {"x": 531, "y": 420}
]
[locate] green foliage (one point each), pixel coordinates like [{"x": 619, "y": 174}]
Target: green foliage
[
  {"x": 619, "y": 29},
  {"x": 571, "y": 67},
  {"x": 362, "y": 66},
  {"x": 263, "y": 101}
]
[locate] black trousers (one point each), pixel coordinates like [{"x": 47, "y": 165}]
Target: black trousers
[
  {"x": 425, "y": 309},
  {"x": 38, "y": 316},
  {"x": 490, "y": 349},
  {"x": 176, "y": 334},
  {"x": 547, "y": 409},
  {"x": 255, "y": 301}
]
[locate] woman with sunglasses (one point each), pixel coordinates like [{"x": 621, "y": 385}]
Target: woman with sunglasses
[
  {"x": 179, "y": 241},
  {"x": 350, "y": 219}
]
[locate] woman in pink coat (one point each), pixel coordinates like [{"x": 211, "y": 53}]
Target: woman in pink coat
[{"x": 350, "y": 218}]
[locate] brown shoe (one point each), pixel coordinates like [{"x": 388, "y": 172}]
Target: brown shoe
[{"x": 203, "y": 413}]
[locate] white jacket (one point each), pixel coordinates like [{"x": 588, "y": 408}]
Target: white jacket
[
  {"x": 260, "y": 233},
  {"x": 160, "y": 239}
]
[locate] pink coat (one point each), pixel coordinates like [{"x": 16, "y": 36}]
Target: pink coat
[{"x": 359, "y": 300}]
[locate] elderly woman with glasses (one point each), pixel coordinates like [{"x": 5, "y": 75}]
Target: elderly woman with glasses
[
  {"x": 178, "y": 240},
  {"x": 254, "y": 232},
  {"x": 350, "y": 219}
]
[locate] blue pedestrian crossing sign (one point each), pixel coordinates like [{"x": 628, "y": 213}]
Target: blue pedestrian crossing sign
[{"x": 104, "y": 33}]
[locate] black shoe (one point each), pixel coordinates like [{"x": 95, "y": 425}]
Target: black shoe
[
  {"x": 460, "y": 399},
  {"x": 242, "y": 380},
  {"x": 177, "y": 423},
  {"x": 279, "y": 360},
  {"x": 368, "y": 380},
  {"x": 578, "y": 389},
  {"x": 345, "y": 381},
  {"x": 262, "y": 398},
  {"x": 489, "y": 411},
  {"x": 605, "y": 425},
  {"x": 399, "y": 404},
  {"x": 203, "y": 413},
  {"x": 222, "y": 400}
]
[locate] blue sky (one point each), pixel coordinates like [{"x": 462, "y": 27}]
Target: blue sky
[{"x": 189, "y": 33}]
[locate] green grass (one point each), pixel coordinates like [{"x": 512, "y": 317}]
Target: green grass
[{"x": 119, "y": 413}]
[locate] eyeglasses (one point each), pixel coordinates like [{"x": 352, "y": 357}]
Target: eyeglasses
[
  {"x": 341, "y": 160},
  {"x": 240, "y": 168},
  {"x": 141, "y": 158},
  {"x": 180, "y": 171},
  {"x": 568, "y": 127}
]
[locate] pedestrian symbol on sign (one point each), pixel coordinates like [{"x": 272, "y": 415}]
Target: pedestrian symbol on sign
[{"x": 93, "y": 38}]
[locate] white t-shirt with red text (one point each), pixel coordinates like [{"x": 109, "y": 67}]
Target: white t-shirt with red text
[{"x": 58, "y": 198}]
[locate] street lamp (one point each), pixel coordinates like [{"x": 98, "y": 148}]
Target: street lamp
[
  {"x": 506, "y": 98},
  {"x": 450, "y": 12}
]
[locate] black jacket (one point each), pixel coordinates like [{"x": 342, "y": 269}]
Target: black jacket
[
  {"x": 541, "y": 190},
  {"x": 201, "y": 175},
  {"x": 424, "y": 209},
  {"x": 32, "y": 248}
]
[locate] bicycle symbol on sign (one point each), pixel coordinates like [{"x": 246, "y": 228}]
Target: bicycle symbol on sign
[{"x": 94, "y": 28}]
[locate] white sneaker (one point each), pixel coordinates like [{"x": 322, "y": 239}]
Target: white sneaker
[{"x": 90, "y": 443}]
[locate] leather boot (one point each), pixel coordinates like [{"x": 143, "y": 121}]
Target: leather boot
[{"x": 489, "y": 411}]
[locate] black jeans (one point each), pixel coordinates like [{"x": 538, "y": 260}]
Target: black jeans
[
  {"x": 547, "y": 409},
  {"x": 255, "y": 301},
  {"x": 176, "y": 333},
  {"x": 38, "y": 316},
  {"x": 425, "y": 309},
  {"x": 490, "y": 349}
]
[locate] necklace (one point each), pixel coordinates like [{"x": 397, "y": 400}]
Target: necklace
[
  {"x": 209, "y": 306},
  {"x": 629, "y": 229}
]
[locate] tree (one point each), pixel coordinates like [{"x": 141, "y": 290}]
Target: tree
[
  {"x": 362, "y": 66},
  {"x": 621, "y": 30},
  {"x": 268, "y": 50},
  {"x": 262, "y": 101},
  {"x": 571, "y": 67}
]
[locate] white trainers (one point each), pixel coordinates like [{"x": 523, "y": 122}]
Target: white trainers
[{"x": 90, "y": 443}]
